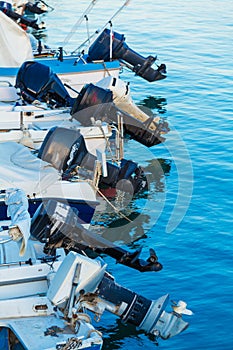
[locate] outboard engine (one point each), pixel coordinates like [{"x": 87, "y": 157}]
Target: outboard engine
[
  {"x": 97, "y": 103},
  {"x": 146, "y": 314},
  {"x": 123, "y": 100},
  {"x": 65, "y": 149},
  {"x": 100, "y": 50},
  {"x": 36, "y": 81},
  {"x": 56, "y": 224},
  {"x": 103, "y": 101},
  {"x": 82, "y": 283}
]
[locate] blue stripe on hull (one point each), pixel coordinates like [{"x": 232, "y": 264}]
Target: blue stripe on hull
[
  {"x": 85, "y": 209},
  {"x": 66, "y": 66},
  {"x": 6, "y": 72}
]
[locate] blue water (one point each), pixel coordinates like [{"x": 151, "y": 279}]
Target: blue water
[{"x": 187, "y": 216}]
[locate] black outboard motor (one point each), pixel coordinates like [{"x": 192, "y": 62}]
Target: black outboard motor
[
  {"x": 95, "y": 102},
  {"x": 100, "y": 49},
  {"x": 92, "y": 102},
  {"x": 56, "y": 225},
  {"x": 146, "y": 314},
  {"x": 65, "y": 149},
  {"x": 36, "y": 81}
]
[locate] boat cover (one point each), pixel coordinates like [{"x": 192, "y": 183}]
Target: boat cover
[
  {"x": 17, "y": 209},
  {"x": 14, "y": 43},
  {"x": 19, "y": 168}
]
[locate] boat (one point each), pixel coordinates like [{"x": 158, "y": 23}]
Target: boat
[
  {"x": 64, "y": 169},
  {"x": 72, "y": 69},
  {"x": 108, "y": 100},
  {"x": 121, "y": 173},
  {"x": 29, "y": 123},
  {"x": 24, "y": 127},
  {"x": 41, "y": 180},
  {"x": 106, "y": 56},
  {"x": 26, "y": 288},
  {"x": 145, "y": 129},
  {"x": 49, "y": 290}
]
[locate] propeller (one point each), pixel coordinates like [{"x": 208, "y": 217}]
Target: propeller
[{"x": 180, "y": 308}]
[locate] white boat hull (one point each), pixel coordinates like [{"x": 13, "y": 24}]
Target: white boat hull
[
  {"x": 75, "y": 75},
  {"x": 25, "y": 304},
  {"x": 40, "y": 181}
]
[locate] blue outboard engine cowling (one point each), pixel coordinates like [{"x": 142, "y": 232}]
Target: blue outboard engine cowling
[
  {"x": 100, "y": 49},
  {"x": 37, "y": 81}
]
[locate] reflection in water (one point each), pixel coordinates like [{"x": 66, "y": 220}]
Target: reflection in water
[
  {"x": 154, "y": 107},
  {"x": 41, "y": 34},
  {"x": 158, "y": 103},
  {"x": 39, "y": 18},
  {"x": 114, "y": 336},
  {"x": 157, "y": 169},
  {"x": 138, "y": 215},
  {"x": 125, "y": 232}
]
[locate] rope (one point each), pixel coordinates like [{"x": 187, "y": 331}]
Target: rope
[
  {"x": 94, "y": 331},
  {"x": 106, "y": 69},
  {"x": 113, "y": 206},
  {"x": 102, "y": 195},
  {"x": 83, "y": 317}
]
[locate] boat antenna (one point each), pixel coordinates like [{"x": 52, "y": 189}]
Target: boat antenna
[
  {"x": 104, "y": 26},
  {"x": 111, "y": 39},
  {"x": 79, "y": 21},
  {"x": 126, "y": 3},
  {"x": 88, "y": 32}
]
